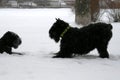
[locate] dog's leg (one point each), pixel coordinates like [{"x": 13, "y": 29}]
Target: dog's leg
[
  {"x": 62, "y": 55},
  {"x": 102, "y": 49},
  {"x": 8, "y": 50}
]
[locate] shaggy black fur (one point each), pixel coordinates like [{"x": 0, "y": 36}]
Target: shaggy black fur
[
  {"x": 8, "y": 41},
  {"x": 81, "y": 41}
]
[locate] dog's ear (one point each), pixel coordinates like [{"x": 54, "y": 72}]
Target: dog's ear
[{"x": 57, "y": 19}]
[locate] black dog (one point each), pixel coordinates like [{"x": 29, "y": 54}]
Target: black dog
[
  {"x": 9, "y": 40},
  {"x": 81, "y": 41}
]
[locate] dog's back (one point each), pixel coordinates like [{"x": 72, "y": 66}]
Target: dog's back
[
  {"x": 99, "y": 30},
  {"x": 99, "y": 26},
  {"x": 103, "y": 26}
]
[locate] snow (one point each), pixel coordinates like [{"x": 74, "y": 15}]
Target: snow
[{"x": 32, "y": 26}]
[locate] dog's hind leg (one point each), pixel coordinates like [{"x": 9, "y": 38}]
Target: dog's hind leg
[{"x": 102, "y": 49}]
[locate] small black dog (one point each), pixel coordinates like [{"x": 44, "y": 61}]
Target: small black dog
[
  {"x": 81, "y": 41},
  {"x": 9, "y": 40}
]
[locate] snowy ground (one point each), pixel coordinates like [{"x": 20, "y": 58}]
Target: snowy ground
[{"x": 32, "y": 26}]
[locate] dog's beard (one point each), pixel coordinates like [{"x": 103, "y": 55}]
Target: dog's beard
[
  {"x": 55, "y": 37},
  {"x": 16, "y": 43}
]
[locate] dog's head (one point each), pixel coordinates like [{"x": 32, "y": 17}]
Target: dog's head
[
  {"x": 11, "y": 39},
  {"x": 57, "y": 28}
]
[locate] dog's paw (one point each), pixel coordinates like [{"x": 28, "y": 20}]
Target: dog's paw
[
  {"x": 104, "y": 56},
  {"x": 61, "y": 56},
  {"x": 17, "y": 53}
]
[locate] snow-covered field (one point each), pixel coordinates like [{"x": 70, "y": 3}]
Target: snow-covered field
[{"x": 32, "y": 26}]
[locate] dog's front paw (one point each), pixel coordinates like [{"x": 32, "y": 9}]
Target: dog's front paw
[{"x": 58, "y": 56}]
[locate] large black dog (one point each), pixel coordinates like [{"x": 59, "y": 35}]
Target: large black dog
[
  {"x": 9, "y": 40},
  {"x": 81, "y": 41}
]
